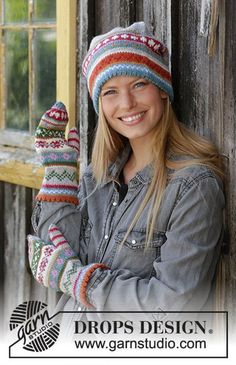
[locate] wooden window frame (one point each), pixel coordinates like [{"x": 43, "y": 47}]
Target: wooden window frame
[{"x": 18, "y": 161}]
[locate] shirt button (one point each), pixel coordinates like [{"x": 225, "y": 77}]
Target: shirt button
[
  {"x": 133, "y": 242},
  {"x": 106, "y": 237},
  {"x": 114, "y": 204}
]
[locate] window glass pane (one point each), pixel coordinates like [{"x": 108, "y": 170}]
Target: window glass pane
[
  {"x": 16, "y": 11},
  {"x": 44, "y": 10},
  {"x": 17, "y": 115},
  {"x": 45, "y": 72}
]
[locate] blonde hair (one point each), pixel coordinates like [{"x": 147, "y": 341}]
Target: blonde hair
[{"x": 170, "y": 137}]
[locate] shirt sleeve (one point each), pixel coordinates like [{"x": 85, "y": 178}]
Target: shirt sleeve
[
  {"x": 183, "y": 277},
  {"x": 69, "y": 218}
]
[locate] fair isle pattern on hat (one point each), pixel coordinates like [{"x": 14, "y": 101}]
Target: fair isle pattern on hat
[{"x": 132, "y": 52}]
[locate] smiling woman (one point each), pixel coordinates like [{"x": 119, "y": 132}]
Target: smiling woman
[
  {"x": 130, "y": 101},
  {"x": 145, "y": 230}
]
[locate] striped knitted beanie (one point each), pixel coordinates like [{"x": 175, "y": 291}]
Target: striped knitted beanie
[{"x": 131, "y": 51}]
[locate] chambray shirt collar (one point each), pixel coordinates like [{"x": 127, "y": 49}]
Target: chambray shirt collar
[{"x": 144, "y": 176}]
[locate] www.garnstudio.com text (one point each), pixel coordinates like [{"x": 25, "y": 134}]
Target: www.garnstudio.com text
[
  {"x": 140, "y": 327},
  {"x": 163, "y": 343}
]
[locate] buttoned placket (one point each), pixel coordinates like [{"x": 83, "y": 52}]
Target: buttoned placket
[
  {"x": 109, "y": 224},
  {"x": 116, "y": 213}
]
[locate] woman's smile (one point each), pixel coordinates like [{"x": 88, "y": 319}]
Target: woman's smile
[
  {"x": 135, "y": 102},
  {"x": 133, "y": 119}
]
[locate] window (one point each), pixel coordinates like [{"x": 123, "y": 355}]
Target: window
[
  {"x": 37, "y": 67},
  {"x": 28, "y": 61}
]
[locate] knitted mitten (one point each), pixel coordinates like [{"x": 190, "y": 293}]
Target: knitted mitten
[
  {"x": 58, "y": 155},
  {"x": 56, "y": 265}
]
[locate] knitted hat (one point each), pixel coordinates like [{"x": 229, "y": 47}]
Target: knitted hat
[{"x": 131, "y": 51}]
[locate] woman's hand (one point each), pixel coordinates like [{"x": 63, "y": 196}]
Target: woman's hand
[
  {"x": 55, "y": 264},
  {"x": 58, "y": 155}
]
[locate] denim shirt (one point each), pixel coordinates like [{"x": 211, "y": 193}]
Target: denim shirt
[{"x": 175, "y": 273}]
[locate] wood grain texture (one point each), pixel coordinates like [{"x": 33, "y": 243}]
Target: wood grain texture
[
  {"x": 229, "y": 148},
  {"x": 205, "y": 97},
  {"x": 2, "y": 249},
  {"x": 18, "y": 283},
  {"x": 86, "y": 115},
  {"x": 157, "y": 16},
  {"x": 16, "y": 227},
  {"x": 66, "y": 56}
]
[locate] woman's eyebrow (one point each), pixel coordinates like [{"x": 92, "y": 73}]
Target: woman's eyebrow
[
  {"x": 109, "y": 87},
  {"x": 115, "y": 87}
]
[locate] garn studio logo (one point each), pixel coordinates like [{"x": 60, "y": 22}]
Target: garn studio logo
[{"x": 34, "y": 326}]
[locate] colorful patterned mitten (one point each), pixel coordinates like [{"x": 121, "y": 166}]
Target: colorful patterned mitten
[
  {"x": 58, "y": 155},
  {"x": 56, "y": 265}
]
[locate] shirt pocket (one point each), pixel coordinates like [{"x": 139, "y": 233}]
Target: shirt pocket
[{"x": 132, "y": 253}]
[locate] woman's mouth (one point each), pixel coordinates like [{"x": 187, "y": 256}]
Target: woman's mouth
[{"x": 133, "y": 119}]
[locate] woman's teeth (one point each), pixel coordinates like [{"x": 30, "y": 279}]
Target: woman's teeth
[{"x": 134, "y": 117}]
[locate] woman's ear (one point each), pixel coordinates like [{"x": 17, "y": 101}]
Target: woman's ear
[{"x": 163, "y": 94}]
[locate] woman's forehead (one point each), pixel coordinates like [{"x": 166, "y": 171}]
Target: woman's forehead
[{"x": 120, "y": 81}]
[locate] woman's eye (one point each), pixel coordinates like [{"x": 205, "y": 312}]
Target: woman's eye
[
  {"x": 108, "y": 92},
  {"x": 140, "y": 84}
]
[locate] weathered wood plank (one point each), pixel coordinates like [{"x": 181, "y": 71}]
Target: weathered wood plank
[
  {"x": 15, "y": 222},
  {"x": 85, "y": 113},
  {"x": 17, "y": 279},
  {"x": 66, "y": 56},
  {"x": 157, "y": 16},
  {"x": 205, "y": 94},
  {"x": 1, "y": 253},
  {"x": 16, "y": 139},
  {"x": 112, "y": 13},
  {"x": 21, "y": 167},
  {"x": 229, "y": 145},
  {"x": 198, "y": 93}
]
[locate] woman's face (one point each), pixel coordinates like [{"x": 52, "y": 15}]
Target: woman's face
[{"x": 132, "y": 106}]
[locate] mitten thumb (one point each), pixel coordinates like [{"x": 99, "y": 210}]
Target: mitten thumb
[
  {"x": 34, "y": 247},
  {"x": 73, "y": 139},
  {"x": 56, "y": 236}
]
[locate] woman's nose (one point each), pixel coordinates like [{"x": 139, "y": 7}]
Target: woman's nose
[{"x": 127, "y": 100}]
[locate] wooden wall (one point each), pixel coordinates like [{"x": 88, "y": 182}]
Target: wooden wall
[{"x": 205, "y": 92}]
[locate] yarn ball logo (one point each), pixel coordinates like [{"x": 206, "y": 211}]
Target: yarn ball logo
[{"x": 34, "y": 326}]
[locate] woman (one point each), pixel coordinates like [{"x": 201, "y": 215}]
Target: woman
[{"x": 145, "y": 231}]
